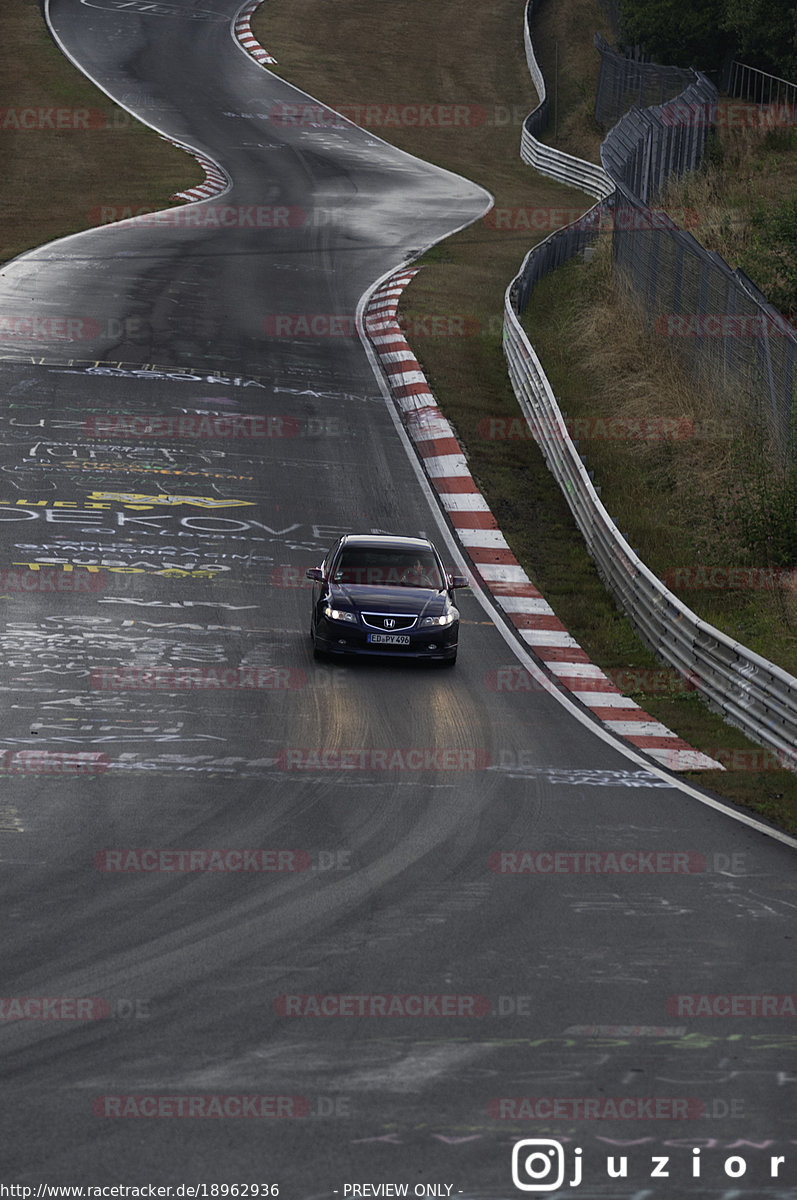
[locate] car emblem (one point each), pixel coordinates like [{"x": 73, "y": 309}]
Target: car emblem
[{"x": 389, "y": 622}]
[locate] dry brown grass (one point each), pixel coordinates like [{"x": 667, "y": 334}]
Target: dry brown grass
[
  {"x": 628, "y": 377},
  {"x": 53, "y": 179}
]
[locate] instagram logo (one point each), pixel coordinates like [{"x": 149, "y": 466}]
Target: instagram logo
[{"x": 538, "y": 1165}]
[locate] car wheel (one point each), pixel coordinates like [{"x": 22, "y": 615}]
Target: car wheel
[{"x": 448, "y": 662}]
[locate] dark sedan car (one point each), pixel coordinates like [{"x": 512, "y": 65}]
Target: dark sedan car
[{"x": 378, "y": 594}]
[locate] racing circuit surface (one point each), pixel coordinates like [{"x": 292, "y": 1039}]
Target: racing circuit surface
[{"x": 376, "y": 812}]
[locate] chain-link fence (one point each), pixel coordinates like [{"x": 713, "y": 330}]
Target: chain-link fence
[
  {"x": 625, "y": 81},
  {"x": 647, "y": 146},
  {"x": 715, "y": 317}
]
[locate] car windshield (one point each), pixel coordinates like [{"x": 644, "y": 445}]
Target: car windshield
[{"x": 388, "y": 567}]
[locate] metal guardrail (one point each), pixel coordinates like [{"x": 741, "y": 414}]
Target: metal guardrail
[
  {"x": 750, "y": 692},
  {"x": 554, "y": 163},
  {"x": 760, "y": 86}
]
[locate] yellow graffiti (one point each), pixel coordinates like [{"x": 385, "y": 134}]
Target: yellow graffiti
[
  {"x": 168, "y": 572},
  {"x": 136, "y": 500}
]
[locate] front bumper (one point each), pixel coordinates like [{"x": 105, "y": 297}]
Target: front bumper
[{"x": 335, "y": 637}]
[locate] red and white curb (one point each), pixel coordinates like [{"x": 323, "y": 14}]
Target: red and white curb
[
  {"x": 243, "y": 31},
  {"x": 215, "y": 183},
  {"x": 503, "y": 576}
]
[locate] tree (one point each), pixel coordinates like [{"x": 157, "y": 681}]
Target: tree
[
  {"x": 765, "y": 32},
  {"x": 679, "y": 34}
]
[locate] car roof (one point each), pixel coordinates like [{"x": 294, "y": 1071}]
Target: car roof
[{"x": 393, "y": 541}]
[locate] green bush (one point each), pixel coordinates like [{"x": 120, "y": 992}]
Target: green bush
[
  {"x": 675, "y": 33},
  {"x": 762, "y": 33}
]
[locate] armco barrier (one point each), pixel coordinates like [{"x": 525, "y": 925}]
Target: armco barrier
[
  {"x": 564, "y": 167},
  {"x": 751, "y": 693}
]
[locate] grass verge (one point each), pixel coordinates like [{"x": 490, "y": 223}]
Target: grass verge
[{"x": 56, "y": 181}]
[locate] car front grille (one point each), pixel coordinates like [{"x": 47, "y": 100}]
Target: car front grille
[{"x": 389, "y": 622}]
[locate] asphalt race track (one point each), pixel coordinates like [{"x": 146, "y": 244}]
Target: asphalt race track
[{"x": 161, "y": 697}]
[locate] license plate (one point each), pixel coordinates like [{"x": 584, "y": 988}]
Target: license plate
[{"x": 389, "y": 639}]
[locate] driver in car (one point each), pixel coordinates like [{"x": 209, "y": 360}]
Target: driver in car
[{"x": 416, "y": 575}]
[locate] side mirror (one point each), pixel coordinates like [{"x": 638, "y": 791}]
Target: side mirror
[
  {"x": 457, "y": 581},
  {"x": 315, "y": 573}
]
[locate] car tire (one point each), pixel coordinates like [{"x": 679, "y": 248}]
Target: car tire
[
  {"x": 448, "y": 662},
  {"x": 318, "y": 655}
]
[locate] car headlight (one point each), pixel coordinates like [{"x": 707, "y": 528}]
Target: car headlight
[
  {"x": 339, "y": 614},
  {"x": 446, "y": 619}
]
